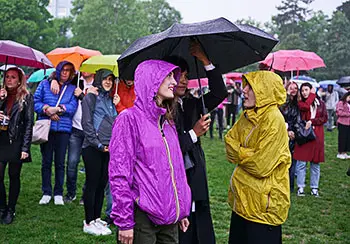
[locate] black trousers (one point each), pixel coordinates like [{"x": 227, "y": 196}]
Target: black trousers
[
  {"x": 243, "y": 231},
  {"x": 14, "y": 173},
  {"x": 96, "y": 171},
  {"x": 200, "y": 230},
  {"x": 220, "y": 113},
  {"x": 343, "y": 138},
  {"x": 231, "y": 110}
]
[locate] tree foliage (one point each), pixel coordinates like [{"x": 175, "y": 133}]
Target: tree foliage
[
  {"x": 345, "y": 8},
  {"x": 27, "y": 22},
  {"x": 112, "y": 25}
]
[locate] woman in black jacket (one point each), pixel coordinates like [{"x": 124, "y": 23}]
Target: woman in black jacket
[
  {"x": 291, "y": 114},
  {"x": 16, "y": 126}
]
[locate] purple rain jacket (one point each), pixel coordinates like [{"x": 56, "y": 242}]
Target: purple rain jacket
[{"x": 146, "y": 167}]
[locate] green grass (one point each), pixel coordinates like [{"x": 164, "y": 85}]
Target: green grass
[{"x": 311, "y": 220}]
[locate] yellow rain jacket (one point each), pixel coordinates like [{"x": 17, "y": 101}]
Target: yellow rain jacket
[{"x": 258, "y": 144}]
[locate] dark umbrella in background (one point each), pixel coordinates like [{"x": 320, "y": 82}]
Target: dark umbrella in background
[
  {"x": 228, "y": 46},
  {"x": 344, "y": 81}
]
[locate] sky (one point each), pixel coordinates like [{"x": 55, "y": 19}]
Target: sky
[{"x": 261, "y": 10}]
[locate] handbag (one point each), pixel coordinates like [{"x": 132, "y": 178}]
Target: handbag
[
  {"x": 41, "y": 128},
  {"x": 303, "y": 135}
]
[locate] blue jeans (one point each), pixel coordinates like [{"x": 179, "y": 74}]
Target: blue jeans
[
  {"x": 315, "y": 172},
  {"x": 56, "y": 145},
  {"x": 74, "y": 151},
  {"x": 109, "y": 200}
]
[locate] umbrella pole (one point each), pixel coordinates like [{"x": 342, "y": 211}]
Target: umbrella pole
[
  {"x": 78, "y": 81},
  {"x": 3, "y": 80},
  {"x": 205, "y": 111}
]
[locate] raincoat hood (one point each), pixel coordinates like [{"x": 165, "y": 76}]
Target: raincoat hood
[
  {"x": 100, "y": 75},
  {"x": 149, "y": 75},
  {"x": 59, "y": 68},
  {"x": 267, "y": 86}
]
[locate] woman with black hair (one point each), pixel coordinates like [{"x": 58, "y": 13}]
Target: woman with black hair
[
  {"x": 291, "y": 115},
  {"x": 343, "y": 114},
  {"x": 314, "y": 112}
]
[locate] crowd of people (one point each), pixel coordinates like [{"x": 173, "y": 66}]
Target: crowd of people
[{"x": 141, "y": 148}]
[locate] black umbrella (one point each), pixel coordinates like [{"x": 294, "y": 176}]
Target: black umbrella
[
  {"x": 344, "y": 81},
  {"x": 229, "y": 46}
]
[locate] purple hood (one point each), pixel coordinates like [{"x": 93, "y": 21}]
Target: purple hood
[{"x": 146, "y": 169}]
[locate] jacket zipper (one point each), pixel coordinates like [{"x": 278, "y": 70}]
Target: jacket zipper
[
  {"x": 233, "y": 191},
  {"x": 248, "y": 136},
  {"x": 171, "y": 172}
]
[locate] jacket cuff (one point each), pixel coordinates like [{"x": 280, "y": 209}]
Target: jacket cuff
[
  {"x": 193, "y": 136},
  {"x": 100, "y": 147}
]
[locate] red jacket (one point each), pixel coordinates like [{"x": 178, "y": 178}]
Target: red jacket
[
  {"x": 127, "y": 96},
  {"x": 312, "y": 151}
]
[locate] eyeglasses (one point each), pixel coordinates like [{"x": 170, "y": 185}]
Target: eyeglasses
[{"x": 65, "y": 70}]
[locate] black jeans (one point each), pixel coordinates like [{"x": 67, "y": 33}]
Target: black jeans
[
  {"x": 96, "y": 171},
  {"x": 145, "y": 232},
  {"x": 231, "y": 109},
  {"x": 15, "y": 185},
  {"x": 247, "y": 232}
]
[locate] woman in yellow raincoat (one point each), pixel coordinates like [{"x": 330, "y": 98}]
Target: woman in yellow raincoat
[{"x": 258, "y": 145}]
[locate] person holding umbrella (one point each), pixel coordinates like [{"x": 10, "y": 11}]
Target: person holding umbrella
[
  {"x": 191, "y": 124},
  {"x": 146, "y": 171},
  {"x": 16, "y": 128},
  {"x": 99, "y": 114}
]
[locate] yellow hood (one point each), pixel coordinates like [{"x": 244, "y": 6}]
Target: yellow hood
[{"x": 267, "y": 86}]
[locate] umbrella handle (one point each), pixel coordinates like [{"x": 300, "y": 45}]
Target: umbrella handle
[
  {"x": 205, "y": 110},
  {"x": 78, "y": 81},
  {"x": 3, "y": 81}
]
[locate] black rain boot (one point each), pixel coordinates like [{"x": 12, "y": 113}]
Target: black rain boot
[
  {"x": 8, "y": 217},
  {"x": 2, "y": 213}
]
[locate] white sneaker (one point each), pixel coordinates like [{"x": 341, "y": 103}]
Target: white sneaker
[
  {"x": 103, "y": 226},
  {"x": 58, "y": 200},
  {"x": 45, "y": 200},
  {"x": 347, "y": 156},
  {"x": 300, "y": 192},
  {"x": 342, "y": 156},
  {"x": 91, "y": 228},
  {"x": 314, "y": 192}
]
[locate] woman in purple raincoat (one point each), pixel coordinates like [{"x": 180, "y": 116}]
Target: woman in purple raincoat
[{"x": 146, "y": 169}]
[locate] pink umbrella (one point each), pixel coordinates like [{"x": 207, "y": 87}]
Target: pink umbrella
[
  {"x": 289, "y": 60},
  {"x": 194, "y": 83},
  {"x": 15, "y": 53}
]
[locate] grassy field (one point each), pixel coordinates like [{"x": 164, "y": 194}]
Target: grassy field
[{"x": 311, "y": 220}]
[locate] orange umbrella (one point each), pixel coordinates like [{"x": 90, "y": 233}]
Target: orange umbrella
[{"x": 75, "y": 55}]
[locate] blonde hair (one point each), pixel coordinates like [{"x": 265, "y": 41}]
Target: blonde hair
[
  {"x": 22, "y": 91},
  {"x": 170, "y": 105}
]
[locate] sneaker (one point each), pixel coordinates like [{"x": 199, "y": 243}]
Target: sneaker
[
  {"x": 347, "y": 156},
  {"x": 58, "y": 200},
  {"x": 102, "y": 225},
  {"x": 314, "y": 192},
  {"x": 81, "y": 201},
  {"x": 342, "y": 156},
  {"x": 69, "y": 199},
  {"x": 91, "y": 228},
  {"x": 45, "y": 200},
  {"x": 108, "y": 220},
  {"x": 82, "y": 170},
  {"x": 300, "y": 192}
]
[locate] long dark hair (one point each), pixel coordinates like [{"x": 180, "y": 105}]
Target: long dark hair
[
  {"x": 343, "y": 99},
  {"x": 301, "y": 87}
]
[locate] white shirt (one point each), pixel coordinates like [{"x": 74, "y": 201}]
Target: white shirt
[{"x": 78, "y": 114}]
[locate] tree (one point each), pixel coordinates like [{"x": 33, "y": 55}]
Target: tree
[
  {"x": 27, "y": 22},
  {"x": 292, "y": 41},
  {"x": 345, "y": 8},
  {"x": 291, "y": 13},
  {"x": 160, "y": 15},
  {"x": 335, "y": 51},
  {"x": 62, "y": 28}
]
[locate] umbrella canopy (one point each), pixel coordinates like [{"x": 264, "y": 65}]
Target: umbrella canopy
[
  {"x": 194, "y": 83},
  {"x": 304, "y": 78},
  {"x": 6, "y": 67},
  {"x": 227, "y": 45},
  {"x": 75, "y": 55},
  {"x": 324, "y": 84},
  {"x": 40, "y": 74},
  {"x": 289, "y": 60},
  {"x": 101, "y": 62},
  {"x": 344, "y": 81},
  {"x": 15, "y": 53},
  {"x": 234, "y": 76}
]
